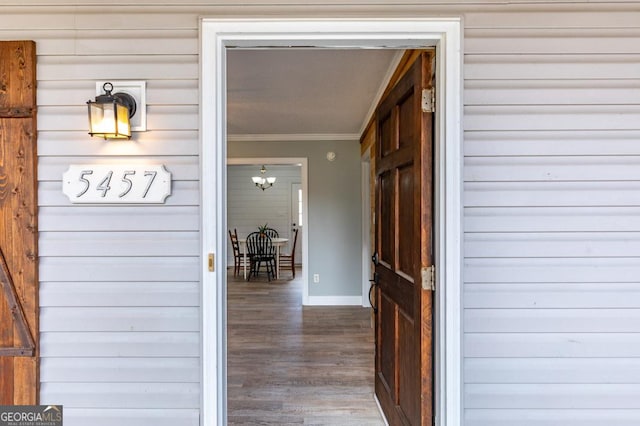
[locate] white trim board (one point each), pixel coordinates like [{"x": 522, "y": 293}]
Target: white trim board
[
  {"x": 395, "y": 61},
  {"x": 295, "y": 137},
  {"x": 335, "y": 300},
  {"x": 365, "y": 170},
  {"x": 446, "y": 34}
]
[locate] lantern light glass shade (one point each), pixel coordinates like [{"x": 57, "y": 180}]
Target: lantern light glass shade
[
  {"x": 109, "y": 115},
  {"x": 262, "y": 182},
  {"x": 109, "y": 120}
]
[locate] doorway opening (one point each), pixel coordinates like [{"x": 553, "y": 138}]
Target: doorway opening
[
  {"x": 280, "y": 219},
  {"x": 445, "y": 34}
]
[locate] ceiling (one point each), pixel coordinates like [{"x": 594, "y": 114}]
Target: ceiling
[{"x": 304, "y": 93}]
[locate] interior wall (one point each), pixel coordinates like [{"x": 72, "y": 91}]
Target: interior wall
[{"x": 334, "y": 203}]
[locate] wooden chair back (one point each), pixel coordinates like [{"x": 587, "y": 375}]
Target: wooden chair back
[
  {"x": 272, "y": 233},
  {"x": 259, "y": 245},
  {"x": 235, "y": 245},
  {"x": 293, "y": 247}
]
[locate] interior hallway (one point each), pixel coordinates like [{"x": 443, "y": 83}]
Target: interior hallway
[{"x": 293, "y": 365}]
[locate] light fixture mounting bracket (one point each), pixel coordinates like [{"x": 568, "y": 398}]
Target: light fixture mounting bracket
[{"x": 132, "y": 89}]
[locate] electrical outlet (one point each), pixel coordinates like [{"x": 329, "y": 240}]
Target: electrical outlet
[{"x": 316, "y": 278}]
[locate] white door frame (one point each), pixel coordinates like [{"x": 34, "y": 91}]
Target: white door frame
[
  {"x": 216, "y": 35},
  {"x": 365, "y": 170}
]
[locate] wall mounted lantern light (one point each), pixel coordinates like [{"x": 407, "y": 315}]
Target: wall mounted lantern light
[
  {"x": 110, "y": 114},
  {"x": 262, "y": 182}
]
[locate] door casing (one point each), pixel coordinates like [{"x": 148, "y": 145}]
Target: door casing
[
  {"x": 216, "y": 35},
  {"x": 365, "y": 170}
]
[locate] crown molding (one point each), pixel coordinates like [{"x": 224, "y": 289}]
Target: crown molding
[{"x": 289, "y": 137}]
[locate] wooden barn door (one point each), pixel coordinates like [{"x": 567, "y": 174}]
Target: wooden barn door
[
  {"x": 403, "y": 231},
  {"x": 18, "y": 225}
]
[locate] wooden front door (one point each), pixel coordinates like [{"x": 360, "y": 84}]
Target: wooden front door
[
  {"x": 403, "y": 236},
  {"x": 18, "y": 225}
]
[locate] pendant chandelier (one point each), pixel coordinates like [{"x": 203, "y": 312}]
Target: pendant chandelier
[{"x": 263, "y": 182}]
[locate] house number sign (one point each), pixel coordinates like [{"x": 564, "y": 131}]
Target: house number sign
[{"x": 117, "y": 184}]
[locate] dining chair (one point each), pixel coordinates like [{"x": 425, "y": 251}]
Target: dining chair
[
  {"x": 272, "y": 233},
  {"x": 238, "y": 259},
  {"x": 289, "y": 260},
  {"x": 260, "y": 250}
]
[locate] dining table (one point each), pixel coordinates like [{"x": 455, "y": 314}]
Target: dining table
[{"x": 277, "y": 242}]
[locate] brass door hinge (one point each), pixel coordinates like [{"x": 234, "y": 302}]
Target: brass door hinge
[
  {"x": 212, "y": 263},
  {"x": 428, "y": 277}
]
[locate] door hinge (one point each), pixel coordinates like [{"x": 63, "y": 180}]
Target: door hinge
[
  {"x": 212, "y": 263},
  {"x": 428, "y": 277},
  {"x": 429, "y": 100}
]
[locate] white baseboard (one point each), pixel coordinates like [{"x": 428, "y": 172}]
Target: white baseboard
[{"x": 335, "y": 300}]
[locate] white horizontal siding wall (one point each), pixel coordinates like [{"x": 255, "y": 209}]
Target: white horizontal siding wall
[
  {"x": 551, "y": 197},
  {"x": 119, "y": 291},
  {"x": 552, "y": 212}
]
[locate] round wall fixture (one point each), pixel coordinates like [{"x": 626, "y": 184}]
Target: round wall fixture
[{"x": 331, "y": 155}]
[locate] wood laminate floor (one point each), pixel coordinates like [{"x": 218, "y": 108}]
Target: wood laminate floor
[{"x": 289, "y": 364}]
